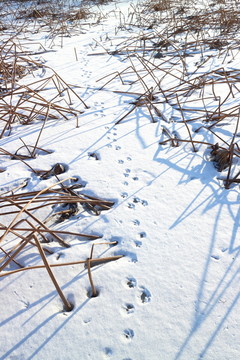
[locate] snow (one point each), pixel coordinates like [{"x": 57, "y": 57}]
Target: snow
[{"x": 174, "y": 295}]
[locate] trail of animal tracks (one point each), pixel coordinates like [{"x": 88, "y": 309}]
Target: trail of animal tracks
[{"x": 119, "y": 180}]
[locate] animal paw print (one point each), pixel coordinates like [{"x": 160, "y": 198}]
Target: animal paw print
[
  {"x": 131, "y": 206},
  {"x": 138, "y": 200},
  {"x": 128, "y": 309},
  {"x": 144, "y": 295},
  {"x": 131, "y": 282},
  {"x": 107, "y": 352},
  {"x": 138, "y": 243},
  {"x": 127, "y": 172},
  {"x": 136, "y": 222},
  {"x": 128, "y": 334}
]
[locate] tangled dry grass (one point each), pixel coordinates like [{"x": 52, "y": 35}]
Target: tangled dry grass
[
  {"x": 25, "y": 102},
  {"x": 171, "y": 33}
]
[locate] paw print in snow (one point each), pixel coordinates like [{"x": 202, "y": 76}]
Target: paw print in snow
[
  {"x": 136, "y": 222},
  {"x": 131, "y": 206},
  {"x": 145, "y": 295},
  {"x": 107, "y": 352},
  {"x": 138, "y": 243},
  {"x": 131, "y": 282},
  {"x": 129, "y": 308},
  {"x": 128, "y": 333}
]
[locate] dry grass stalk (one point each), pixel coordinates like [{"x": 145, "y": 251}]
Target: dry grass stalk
[
  {"x": 183, "y": 119},
  {"x": 231, "y": 151},
  {"x": 15, "y": 156},
  {"x": 67, "y": 305},
  {"x": 94, "y": 292},
  {"x": 93, "y": 262}
]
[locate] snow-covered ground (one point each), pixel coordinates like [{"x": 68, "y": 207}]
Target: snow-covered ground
[{"x": 174, "y": 295}]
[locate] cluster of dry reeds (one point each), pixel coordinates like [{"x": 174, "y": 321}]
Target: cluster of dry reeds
[
  {"x": 58, "y": 19},
  {"x": 159, "y": 69},
  {"x": 171, "y": 33},
  {"x": 24, "y": 100},
  {"x": 50, "y": 97},
  {"x": 28, "y": 229}
]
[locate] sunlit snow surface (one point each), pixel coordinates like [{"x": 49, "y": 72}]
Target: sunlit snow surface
[{"x": 175, "y": 293}]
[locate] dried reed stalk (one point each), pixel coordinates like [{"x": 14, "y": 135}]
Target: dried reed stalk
[
  {"x": 93, "y": 262},
  {"x": 67, "y": 304}
]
